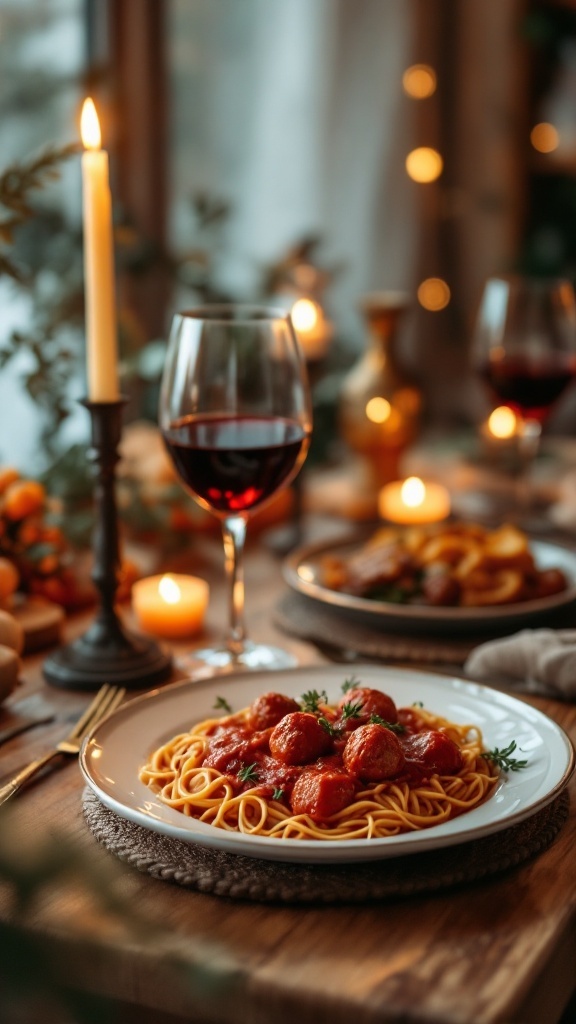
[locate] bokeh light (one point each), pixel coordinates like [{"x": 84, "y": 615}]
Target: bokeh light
[
  {"x": 424, "y": 164},
  {"x": 544, "y": 137},
  {"x": 419, "y": 81},
  {"x": 502, "y": 422},
  {"x": 378, "y": 409},
  {"x": 304, "y": 314},
  {"x": 433, "y": 294}
]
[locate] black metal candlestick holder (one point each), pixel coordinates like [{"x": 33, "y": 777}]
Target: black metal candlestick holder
[{"x": 107, "y": 652}]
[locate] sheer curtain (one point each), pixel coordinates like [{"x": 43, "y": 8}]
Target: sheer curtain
[{"x": 294, "y": 112}]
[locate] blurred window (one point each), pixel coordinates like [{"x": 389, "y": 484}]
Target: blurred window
[{"x": 42, "y": 58}]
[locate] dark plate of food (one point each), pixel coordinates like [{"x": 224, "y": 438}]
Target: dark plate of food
[{"x": 437, "y": 578}]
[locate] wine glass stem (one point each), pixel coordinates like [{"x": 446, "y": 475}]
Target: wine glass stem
[
  {"x": 528, "y": 447},
  {"x": 234, "y": 535}
]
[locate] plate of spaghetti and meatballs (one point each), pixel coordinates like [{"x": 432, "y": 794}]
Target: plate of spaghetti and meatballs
[
  {"x": 315, "y": 766},
  {"x": 437, "y": 577}
]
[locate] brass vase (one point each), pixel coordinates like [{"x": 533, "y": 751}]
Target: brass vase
[{"x": 380, "y": 403}]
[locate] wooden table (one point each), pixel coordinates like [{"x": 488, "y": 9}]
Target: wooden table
[{"x": 499, "y": 951}]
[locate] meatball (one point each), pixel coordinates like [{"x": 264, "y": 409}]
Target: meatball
[
  {"x": 299, "y": 739},
  {"x": 373, "y": 753},
  {"x": 373, "y": 702},
  {"x": 268, "y": 709},
  {"x": 440, "y": 587},
  {"x": 320, "y": 794},
  {"x": 549, "y": 582},
  {"x": 433, "y": 752},
  {"x": 228, "y": 751},
  {"x": 376, "y": 565}
]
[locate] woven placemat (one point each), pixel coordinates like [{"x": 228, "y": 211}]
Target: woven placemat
[
  {"x": 309, "y": 620},
  {"x": 244, "y": 878}
]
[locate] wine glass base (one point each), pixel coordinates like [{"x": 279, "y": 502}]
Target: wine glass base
[{"x": 209, "y": 661}]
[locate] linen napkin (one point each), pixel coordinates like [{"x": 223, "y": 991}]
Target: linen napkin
[{"x": 539, "y": 661}]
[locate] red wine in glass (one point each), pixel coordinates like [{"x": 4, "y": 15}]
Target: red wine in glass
[
  {"x": 232, "y": 464},
  {"x": 529, "y": 385},
  {"x": 236, "y": 417}
]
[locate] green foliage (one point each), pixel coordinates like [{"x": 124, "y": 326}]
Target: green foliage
[
  {"x": 17, "y": 183},
  {"x": 42, "y": 256}
]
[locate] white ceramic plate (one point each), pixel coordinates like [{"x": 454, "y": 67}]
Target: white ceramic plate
[
  {"x": 117, "y": 748},
  {"x": 303, "y": 572}
]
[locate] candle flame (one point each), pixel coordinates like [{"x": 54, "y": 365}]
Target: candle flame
[
  {"x": 413, "y": 491},
  {"x": 502, "y": 422},
  {"x": 90, "y": 126},
  {"x": 169, "y": 590},
  {"x": 304, "y": 314}
]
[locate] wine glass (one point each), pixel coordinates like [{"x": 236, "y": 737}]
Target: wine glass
[
  {"x": 524, "y": 348},
  {"x": 235, "y": 415}
]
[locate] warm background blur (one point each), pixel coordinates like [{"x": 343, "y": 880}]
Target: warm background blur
[{"x": 263, "y": 148}]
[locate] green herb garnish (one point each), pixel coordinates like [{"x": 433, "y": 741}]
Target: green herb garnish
[
  {"x": 249, "y": 773},
  {"x": 393, "y": 726},
  {"x": 351, "y": 710},
  {"x": 221, "y": 704},
  {"x": 349, "y": 684},
  {"x": 311, "y": 700},
  {"x": 277, "y": 794},
  {"x": 417, "y": 704},
  {"x": 327, "y": 726},
  {"x": 503, "y": 758}
]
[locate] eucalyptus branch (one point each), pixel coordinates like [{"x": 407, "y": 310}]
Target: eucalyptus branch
[{"x": 17, "y": 182}]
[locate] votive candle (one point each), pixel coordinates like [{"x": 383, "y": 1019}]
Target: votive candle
[
  {"x": 172, "y": 605},
  {"x": 412, "y": 501}
]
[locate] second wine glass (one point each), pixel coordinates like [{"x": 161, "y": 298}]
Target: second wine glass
[
  {"x": 235, "y": 415},
  {"x": 524, "y": 348}
]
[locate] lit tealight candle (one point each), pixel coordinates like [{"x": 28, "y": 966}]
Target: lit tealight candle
[
  {"x": 314, "y": 331},
  {"x": 502, "y": 423},
  {"x": 413, "y": 501},
  {"x": 171, "y": 606}
]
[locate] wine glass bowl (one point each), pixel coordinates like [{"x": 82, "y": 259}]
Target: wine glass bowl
[
  {"x": 235, "y": 415},
  {"x": 524, "y": 350}
]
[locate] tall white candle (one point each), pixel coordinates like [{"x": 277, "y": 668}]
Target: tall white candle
[{"x": 101, "y": 338}]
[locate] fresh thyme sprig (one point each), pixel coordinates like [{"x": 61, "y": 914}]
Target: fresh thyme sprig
[
  {"x": 249, "y": 773},
  {"x": 221, "y": 704},
  {"x": 349, "y": 684},
  {"x": 311, "y": 700},
  {"x": 351, "y": 710},
  {"x": 327, "y": 726},
  {"x": 277, "y": 794},
  {"x": 392, "y": 726},
  {"x": 503, "y": 758}
]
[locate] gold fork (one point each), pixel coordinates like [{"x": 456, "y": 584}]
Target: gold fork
[{"x": 106, "y": 700}]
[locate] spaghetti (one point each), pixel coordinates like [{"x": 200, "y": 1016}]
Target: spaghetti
[{"x": 223, "y": 772}]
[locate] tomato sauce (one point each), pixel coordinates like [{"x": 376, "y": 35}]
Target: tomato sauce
[{"x": 328, "y": 754}]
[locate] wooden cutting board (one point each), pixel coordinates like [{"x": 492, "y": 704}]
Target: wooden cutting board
[{"x": 41, "y": 620}]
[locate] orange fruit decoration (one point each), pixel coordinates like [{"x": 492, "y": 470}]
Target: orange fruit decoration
[
  {"x": 7, "y": 476},
  {"x": 9, "y": 579},
  {"x": 23, "y": 498}
]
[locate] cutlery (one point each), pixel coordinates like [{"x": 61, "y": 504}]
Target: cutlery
[
  {"x": 22, "y": 725},
  {"x": 106, "y": 700}
]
